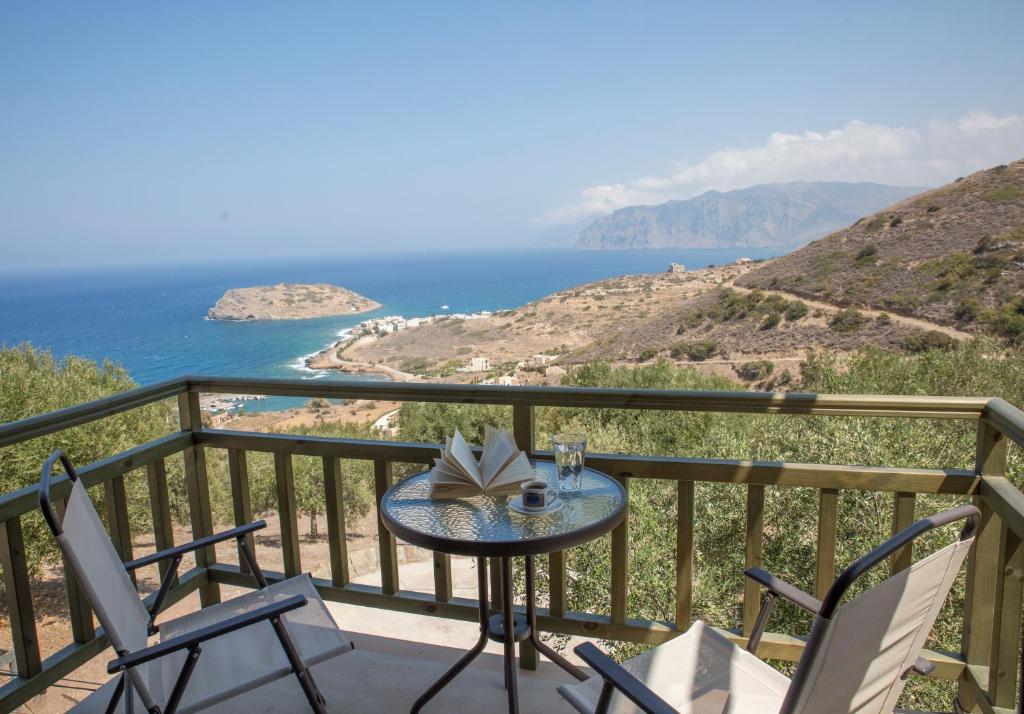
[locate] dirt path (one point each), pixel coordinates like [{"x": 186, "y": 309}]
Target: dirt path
[{"x": 901, "y": 319}]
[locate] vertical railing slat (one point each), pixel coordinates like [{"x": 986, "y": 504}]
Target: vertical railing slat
[
  {"x": 288, "y": 512},
  {"x": 190, "y": 417},
  {"x": 523, "y": 429},
  {"x": 902, "y": 516},
  {"x": 82, "y": 626},
  {"x": 1009, "y": 592},
  {"x": 828, "y": 513},
  {"x": 18, "y": 595},
  {"x": 241, "y": 502},
  {"x": 982, "y": 563},
  {"x": 117, "y": 519},
  {"x": 160, "y": 509},
  {"x": 334, "y": 496},
  {"x": 684, "y": 554},
  {"x": 442, "y": 577},
  {"x": 556, "y": 583},
  {"x": 382, "y": 479},
  {"x": 620, "y": 563},
  {"x": 754, "y": 555}
]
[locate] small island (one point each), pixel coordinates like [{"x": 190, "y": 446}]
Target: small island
[{"x": 289, "y": 302}]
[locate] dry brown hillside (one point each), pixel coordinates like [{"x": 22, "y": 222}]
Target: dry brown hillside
[{"x": 954, "y": 255}]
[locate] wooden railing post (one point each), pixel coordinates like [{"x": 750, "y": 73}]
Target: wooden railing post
[
  {"x": 160, "y": 508},
  {"x": 382, "y": 480},
  {"x": 19, "y": 599},
  {"x": 754, "y": 555},
  {"x": 287, "y": 509},
  {"x": 523, "y": 429},
  {"x": 982, "y": 565},
  {"x": 828, "y": 513},
  {"x": 191, "y": 418},
  {"x": 620, "y": 562},
  {"x": 684, "y": 554},
  {"x": 1009, "y": 592},
  {"x": 334, "y": 496},
  {"x": 117, "y": 519},
  {"x": 904, "y": 505},
  {"x": 241, "y": 502}
]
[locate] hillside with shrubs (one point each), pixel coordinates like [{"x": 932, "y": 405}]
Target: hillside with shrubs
[{"x": 953, "y": 256}]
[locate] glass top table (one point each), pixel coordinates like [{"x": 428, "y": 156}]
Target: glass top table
[{"x": 486, "y": 526}]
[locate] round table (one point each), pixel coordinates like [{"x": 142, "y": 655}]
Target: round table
[{"x": 485, "y": 527}]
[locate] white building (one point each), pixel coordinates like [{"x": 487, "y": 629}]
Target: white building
[
  {"x": 479, "y": 364},
  {"x": 506, "y": 381}
]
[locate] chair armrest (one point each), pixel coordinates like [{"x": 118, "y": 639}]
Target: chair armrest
[
  {"x": 203, "y": 634},
  {"x": 783, "y": 589},
  {"x": 614, "y": 675},
  {"x": 197, "y": 544}
]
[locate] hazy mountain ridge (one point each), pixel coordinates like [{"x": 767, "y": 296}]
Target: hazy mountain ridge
[{"x": 783, "y": 215}]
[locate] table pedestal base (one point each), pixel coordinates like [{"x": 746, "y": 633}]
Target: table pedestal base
[{"x": 506, "y": 627}]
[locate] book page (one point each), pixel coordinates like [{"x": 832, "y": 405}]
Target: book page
[
  {"x": 499, "y": 450},
  {"x": 513, "y": 474},
  {"x": 460, "y": 453}
]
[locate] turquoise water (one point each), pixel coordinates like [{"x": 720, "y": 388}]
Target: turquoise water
[{"x": 152, "y": 320}]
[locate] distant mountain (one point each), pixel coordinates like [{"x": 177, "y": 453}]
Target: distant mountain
[
  {"x": 954, "y": 255},
  {"x": 779, "y": 215}
]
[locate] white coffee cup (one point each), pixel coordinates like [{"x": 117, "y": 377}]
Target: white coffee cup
[{"x": 537, "y": 495}]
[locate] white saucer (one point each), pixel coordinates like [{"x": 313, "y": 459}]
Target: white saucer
[{"x": 516, "y": 504}]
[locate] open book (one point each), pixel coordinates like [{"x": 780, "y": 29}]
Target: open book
[{"x": 502, "y": 467}]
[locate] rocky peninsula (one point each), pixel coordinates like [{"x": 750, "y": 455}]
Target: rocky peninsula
[{"x": 289, "y": 302}]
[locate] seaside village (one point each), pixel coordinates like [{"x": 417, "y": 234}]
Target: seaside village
[{"x": 521, "y": 373}]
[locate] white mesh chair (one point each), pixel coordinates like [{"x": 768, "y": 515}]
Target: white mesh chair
[
  {"x": 272, "y": 632},
  {"x": 857, "y": 657}
]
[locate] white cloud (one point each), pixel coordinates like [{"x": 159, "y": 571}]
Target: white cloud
[{"x": 858, "y": 151}]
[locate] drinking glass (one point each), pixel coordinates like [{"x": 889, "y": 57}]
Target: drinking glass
[{"x": 570, "y": 450}]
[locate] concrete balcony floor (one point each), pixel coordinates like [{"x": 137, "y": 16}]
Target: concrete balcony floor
[{"x": 397, "y": 657}]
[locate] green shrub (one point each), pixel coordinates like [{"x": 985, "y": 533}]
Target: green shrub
[
  {"x": 771, "y": 320},
  {"x": 867, "y": 254},
  {"x": 648, "y": 354},
  {"x": 695, "y": 351},
  {"x": 848, "y": 320},
  {"x": 967, "y": 310},
  {"x": 755, "y": 370},
  {"x": 924, "y": 340},
  {"x": 796, "y": 309},
  {"x": 883, "y": 318}
]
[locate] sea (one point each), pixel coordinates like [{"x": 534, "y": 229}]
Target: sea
[{"x": 152, "y": 319}]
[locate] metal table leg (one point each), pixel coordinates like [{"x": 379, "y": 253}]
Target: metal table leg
[
  {"x": 481, "y": 568},
  {"x": 531, "y": 618},
  {"x": 510, "y": 636}
]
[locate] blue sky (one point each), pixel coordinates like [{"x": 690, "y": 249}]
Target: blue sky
[{"x": 141, "y": 131}]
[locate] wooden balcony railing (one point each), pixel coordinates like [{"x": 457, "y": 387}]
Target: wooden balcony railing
[{"x": 986, "y": 668}]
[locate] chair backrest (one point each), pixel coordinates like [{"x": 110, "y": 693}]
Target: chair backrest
[
  {"x": 859, "y": 652},
  {"x": 98, "y": 570}
]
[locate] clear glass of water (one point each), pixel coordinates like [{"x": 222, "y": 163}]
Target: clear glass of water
[{"x": 570, "y": 450}]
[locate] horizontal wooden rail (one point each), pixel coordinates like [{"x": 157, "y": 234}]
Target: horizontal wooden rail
[
  {"x": 1005, "y": 499},
  {"x": 26, "y": 499},
  {"x": 24, "y": 429},
  {"x": 764, "y": 473},
  {"x": 1006, "y": 418},
  {"x": 608, "y": 398}
]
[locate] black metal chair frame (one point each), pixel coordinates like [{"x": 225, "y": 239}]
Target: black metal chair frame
[
  {"x": 616, "y": 677},
  {"x": 191, "y": 641}
]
